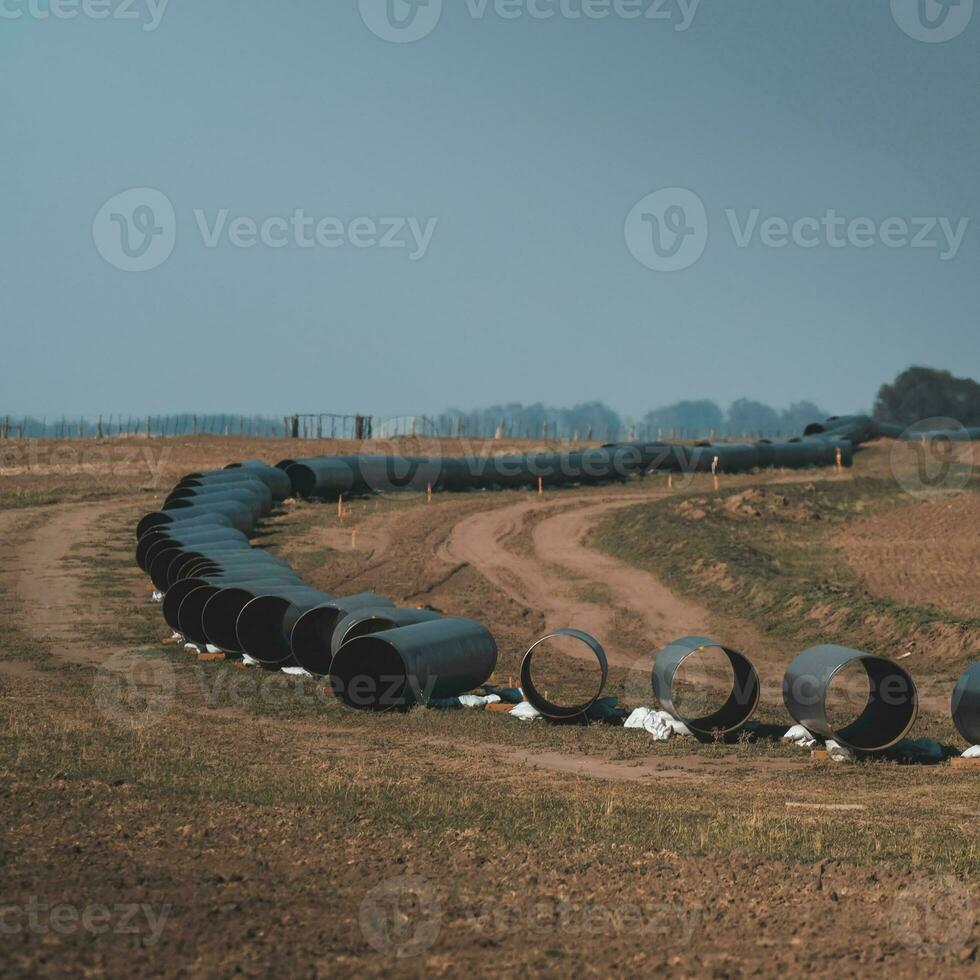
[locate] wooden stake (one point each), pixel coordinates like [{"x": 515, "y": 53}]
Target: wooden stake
[
  {"x": 670, "y": 481},
  {"x": 428, "y": 493},
  {"x": 353, "y": 538},
  {"x": 540, "y": 486},
  {"x": 340, "y": 508}
]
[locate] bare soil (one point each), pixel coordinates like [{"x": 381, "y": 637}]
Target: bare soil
[{"x": 264, "y": 828}]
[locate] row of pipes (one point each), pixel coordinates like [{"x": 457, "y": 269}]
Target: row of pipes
[
  {"x": 886, "y": 717},
  {"x": 221, "y": 593}
]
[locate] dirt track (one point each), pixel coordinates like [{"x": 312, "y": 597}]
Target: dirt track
[{"x": 481, "y": 541}]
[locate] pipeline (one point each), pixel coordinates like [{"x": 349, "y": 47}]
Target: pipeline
[
  {"x": 219, "y": 590},
  {"x": 890, "y": 710},
  {"x": 738, "y": 707}
]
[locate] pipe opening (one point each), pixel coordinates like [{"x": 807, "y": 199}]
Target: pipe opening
[
  {"x": 311, "y": 636},
  {"x": 220, "y": 618},
  {"x": 190, "y": 612},
  {"x": 260, "y": 631},
  {"x": 581, "y": 685},
  {"x": 712, "y": 688},
  {"x": 367, "y": 673},
  {"x": 174, "y": 597},
  {"x": 888, "y": 710}
]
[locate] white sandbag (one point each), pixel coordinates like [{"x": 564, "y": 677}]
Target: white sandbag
[
  {"x": 838, "y": 752},
  {"x": 798, "y": 735},
  {"x": 192, "y": 648},
  {"x": 525, "y": 712},
  {"x": 157, "y": 596},
  {"x": 213, "y": 649},
  {"x": 477, "y": 700},
  {"x": 296, "y": 671},
  {"x": 973, "y": 752},
  {"x": 250, "y": 661},
  {"x": 660, "y": 724}
]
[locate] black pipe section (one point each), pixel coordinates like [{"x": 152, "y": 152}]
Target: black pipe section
[
  {"x": 164, "y": 536},
  {"x": 219, "y": 620},
  {"x": 254, "y": 488},
  {"x": 966, "y": 705},
  {"x": 270, "y": 475},
  {"x": 412, "y": 665},
  {"x": 311, "y": 633},
  {"x": 190, "y": 615},
  {"x": 232, "y": 513},
  {"x": 741, "y": 702},
  {"x": 261, "y": 627},
  {"x": 364, "y": 622},
  {"x": 243, "y": 497},
  {"x": 890, "y": 710},
  {"x": 542, "y": 704}
]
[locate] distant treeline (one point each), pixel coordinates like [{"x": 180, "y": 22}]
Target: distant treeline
[
  {"x": 916, "y": 394},
  {"x": 595, "y": 420}
]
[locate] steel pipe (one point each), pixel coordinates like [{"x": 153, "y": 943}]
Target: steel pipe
[
  {"x": 234, "y": 514},
  {"x": 965, "y": 705},
  {"x": 261, "y": 627},
  {"x": 741, "y": 702},
  {"x": 311, "y": 632},
  {"x": 190, "y": 615},
  {"x": 888, "y": 715},
  {"x": 413, "y": 664},
  {"x": 542, "y": 704},
  {"x": 375, "y": 619}
]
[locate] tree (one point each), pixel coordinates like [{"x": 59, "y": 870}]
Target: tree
[
  {"x": 747, "y": 417},
  {"x": 923, "y": 393},
  {"x": 688, "y": 419}
]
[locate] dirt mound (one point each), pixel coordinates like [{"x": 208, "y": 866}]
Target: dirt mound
[
  {"x": 752, "y": 504},
  {"x": 925, "y": 553}
]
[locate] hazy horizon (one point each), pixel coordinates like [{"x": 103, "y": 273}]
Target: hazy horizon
[{"x": 247, "y": 209}]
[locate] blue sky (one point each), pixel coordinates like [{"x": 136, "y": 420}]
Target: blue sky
[{"x": 446, "y": 219}]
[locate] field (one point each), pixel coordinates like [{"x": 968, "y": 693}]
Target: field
[{"x": 170, "y": 816}]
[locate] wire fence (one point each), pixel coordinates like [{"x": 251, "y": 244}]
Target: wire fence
[{"x": 309, "y": 426}]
